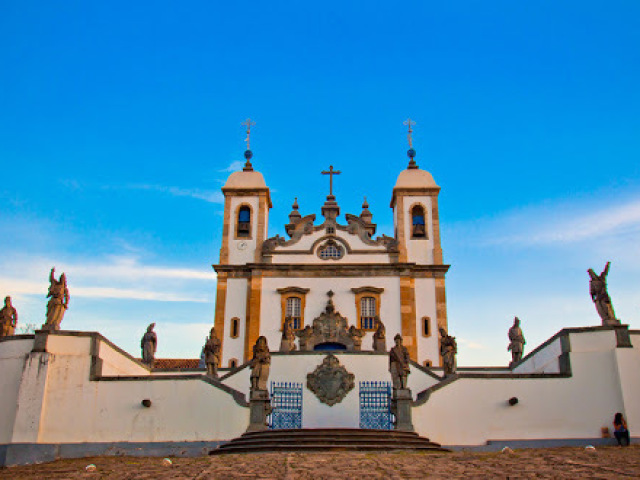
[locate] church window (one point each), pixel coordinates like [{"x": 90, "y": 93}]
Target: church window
[
  {"x": 330, "y": 251},
  {"x": 244, "y": 222},
  {"x": 427, "y": 363},
  {"x": 233, "y": 363},
  {"x": 235, "y": 327},
  {"x": 292, "y": 304},
  {"x": 331, "y": 230},
  {"x": 418, "y": 225},
  {"x": 294, "y": 312},
  {"x": 368, "y": 312},
  {"x": 368, "y": 306},
  {"x": 426, "y": 326}
]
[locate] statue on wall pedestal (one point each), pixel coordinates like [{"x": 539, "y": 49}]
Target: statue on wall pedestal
[
  {"x": 149, "y": 345},
  {"x": 600, "y": 296},
  {"x": 399, "y": 362},
  {"x": 58, "y": 303},
  {"x": 380, "y": 337},
  {"x": 212, "y": 353},
  {"x": 356, "y": 335},
  {"x": 8, "y": 319},
  {"x": 288, "y": 342},
  {"x": 516, "y": 345},
  {"x": 448, "y": 350},
  {"x": 260, "y": 364},
  {"x": 259, "y": 402}
]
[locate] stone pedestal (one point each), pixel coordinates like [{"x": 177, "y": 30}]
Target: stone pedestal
[
  {"x": 259, "y": 408},
  {"x": 379, "y": 345},
  {"x": 401, "y": 408}
]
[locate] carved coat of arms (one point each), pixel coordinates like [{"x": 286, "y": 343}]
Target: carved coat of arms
[{"x": 330, "y": 381}]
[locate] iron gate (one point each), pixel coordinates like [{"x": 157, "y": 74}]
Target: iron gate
[
  {"x": 375, "y": 405},
  {"x": 286, "y": 405}
]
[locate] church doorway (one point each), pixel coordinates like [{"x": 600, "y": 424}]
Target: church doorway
[{"x": 321, "y": 347}]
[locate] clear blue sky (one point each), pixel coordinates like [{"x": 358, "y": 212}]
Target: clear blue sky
[{"x": 119, "y": 122}]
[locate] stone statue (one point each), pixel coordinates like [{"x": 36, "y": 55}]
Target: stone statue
[
  {"x": 8, "y": 319},
  {"x": 448, "y": 350},
  {"x": 149, "y": 344},
  {"x": 212, "y": 353},
  {"x": 380, "y": 336},
  {"x": 58, "y": 303},
  {"x": 600, "y": 296},
  {"x": 356, "y": 335},
  {"x": 516, "y": 339},
  {"x": 399, "y": 362},
  {"x": 260, "y": 364},
  {"x": 288, "y": 342}
]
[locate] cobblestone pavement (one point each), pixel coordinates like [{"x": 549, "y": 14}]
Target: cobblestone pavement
[{"x": 607, "y": 463}]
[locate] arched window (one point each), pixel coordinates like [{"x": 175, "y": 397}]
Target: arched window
[
  {"x": 233, "y": 363},
  {"x": 244, "y": 222},
  {"x": 368, "y": 312},
  {"x": 427, "y": 363},
  {"x": 235, "y": 327},
  {"x": 419, "y": 229},
  {"x": 426, "y": 326},
  {"x": 294, "y": 312},
  {"x": 330, "y": 251}
]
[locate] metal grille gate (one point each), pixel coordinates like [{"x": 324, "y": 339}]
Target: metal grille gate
[
  {"x": 286, "y": 405},
  {"x": 375, "y": 405}
]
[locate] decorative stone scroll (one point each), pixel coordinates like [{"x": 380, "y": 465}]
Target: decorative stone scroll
[
  {"x": 330, "y": 328},
  {"x": 330, "y": 381}
]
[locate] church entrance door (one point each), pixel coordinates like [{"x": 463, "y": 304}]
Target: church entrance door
[
  {"x": 286, "y": 405},
  {"x": 375, "y": 405}
]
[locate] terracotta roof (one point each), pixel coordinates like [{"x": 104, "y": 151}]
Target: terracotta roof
[{"x": 176, "y": 363}]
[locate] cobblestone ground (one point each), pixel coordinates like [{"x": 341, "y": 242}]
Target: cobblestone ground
[{"x": 608, "y": 463}]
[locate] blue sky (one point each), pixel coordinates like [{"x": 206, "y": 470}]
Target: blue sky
[{"x": 119, "y": 123}]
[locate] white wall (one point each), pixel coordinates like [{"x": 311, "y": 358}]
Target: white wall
[
  {"x": 12, "y": 358},
  {"x": 419, "y": 251},
  {"x": 428, "y": 347},
  {"x": 247, "y": 255},
  {"x": 546, "y": 360}
]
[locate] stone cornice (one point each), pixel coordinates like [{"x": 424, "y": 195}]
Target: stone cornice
[
  {"x": 333, "y": 270},
  {"x": 247, "y": 192},
  {"x": 431, "y": 191}
]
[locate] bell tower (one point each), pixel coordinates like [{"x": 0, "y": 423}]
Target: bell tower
[{"x": 246, "y": 215}]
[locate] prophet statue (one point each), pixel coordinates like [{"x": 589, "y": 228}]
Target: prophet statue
[
  {"x": 380, "y": 336},
  {"x": 8, "y": 319},
  {"x": 516, "y": 339},
  {"x": 260, "y": 364},
  {"x": 600, "y": 296},
  {"x": 448, "y": 350},
  {"x": 149, "y": 345},
  {"x": 399, "y": 362},
  {"x": 288, "y": 342},
  {"x": 212, "y": 351},
  {"x": 58, "y": 301}
]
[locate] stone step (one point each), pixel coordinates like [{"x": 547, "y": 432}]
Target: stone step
[{"x": 327, "y": 439}]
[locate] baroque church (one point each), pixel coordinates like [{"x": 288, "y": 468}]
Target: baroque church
[{"x": 263, "y": 280}]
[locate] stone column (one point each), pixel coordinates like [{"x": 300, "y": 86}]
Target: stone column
[
  {"x": 259, "y": 408},
  {"x": 401, "y": 408}
]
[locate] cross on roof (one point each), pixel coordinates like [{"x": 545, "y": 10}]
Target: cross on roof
[
  {"x": 248, "y": 123},
  {"x": 409, "y": 123},
  {"x": 331, "y": 172}
]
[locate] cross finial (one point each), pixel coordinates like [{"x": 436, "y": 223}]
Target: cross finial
[
  {"x": 410, "y": 123},
  {"x": 331, "y": 172},
  {"x": 248, "y": 123}
]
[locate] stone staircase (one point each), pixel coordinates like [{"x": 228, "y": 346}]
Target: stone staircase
[{"x": 327, "y": 439}]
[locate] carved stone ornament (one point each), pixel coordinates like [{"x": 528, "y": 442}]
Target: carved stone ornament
[
  {"x": 329, "y": 327},
  {"x": 330, "y": 381}
]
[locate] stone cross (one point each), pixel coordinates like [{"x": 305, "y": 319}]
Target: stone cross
[
  {"x": 409, "y": 123},
  {"x": 331, "y": 172}
]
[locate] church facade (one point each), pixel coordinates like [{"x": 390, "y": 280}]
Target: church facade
[{"x": 264, "y": 280}]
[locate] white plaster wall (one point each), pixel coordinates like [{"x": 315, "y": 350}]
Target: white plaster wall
[
  {"x": 316, "y": 300},
  {"x": 593, "y": 341},
  {"x": 314, "y": 259},
  {"x": 235, "y": 306},
  {"x": 628, "y": 366},
  {"x": 239, "y": 257},
  {"x": 114, "y": 363},
  {"x": 428, "y": 347},
  {"x": 544, "y": 361},
  {"x": 473, "y": 411},
  {"x": 240, "y": 381},
  {"x": 419, "y": 251},
  {"x": 12, "y": 358}
]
